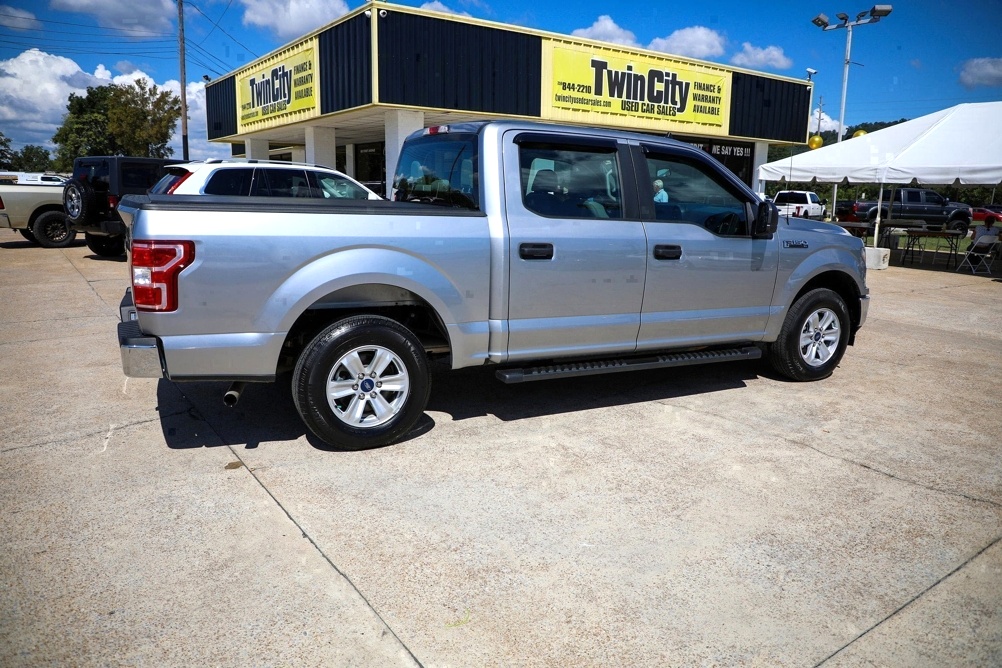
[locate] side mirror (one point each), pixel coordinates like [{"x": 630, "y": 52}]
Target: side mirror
[
  {"x": 766, "y": 221},
  {"x": 825, "y": 202},
  {"x": 946, "y": 201}
]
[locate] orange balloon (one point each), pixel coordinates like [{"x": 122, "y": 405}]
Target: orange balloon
[{"x": 815, "y": 142}]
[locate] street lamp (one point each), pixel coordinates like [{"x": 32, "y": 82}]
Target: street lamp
[{"x": 876, "y": 13}]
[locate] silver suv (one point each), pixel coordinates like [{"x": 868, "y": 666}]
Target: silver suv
[{"x": 259, "y": 178}]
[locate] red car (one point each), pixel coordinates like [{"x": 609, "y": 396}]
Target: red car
[{"x": 980, "y": 214}]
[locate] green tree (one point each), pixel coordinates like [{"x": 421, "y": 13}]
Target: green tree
[
  {"x": 6, "y": 155},
  {"x": 32, "y": 158},
  {"x": 135, "y": 119},
  {"x": 143, "y": 118},
  {"x": 85, "y": 128}
]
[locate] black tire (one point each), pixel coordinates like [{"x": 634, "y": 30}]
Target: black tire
[
  {"x": 960, "y": 224},
  {"x": 105, "y": 246},
  {"x": 364, "y": 413},
  {"x": 813, "y": 338},
  {"x": 27, "y": 234},
  {"x": 78, "y": 201},
  {"x": 52, "y": 230}
]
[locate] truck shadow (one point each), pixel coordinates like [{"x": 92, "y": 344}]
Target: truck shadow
[{"x": 192, "y": 415}]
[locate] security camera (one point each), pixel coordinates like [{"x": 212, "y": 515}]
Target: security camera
[
  {"x": 811, "y": 71},
  {"x": 382, "y": 13}
]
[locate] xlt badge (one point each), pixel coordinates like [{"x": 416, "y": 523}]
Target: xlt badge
[{"x": 795, "y": 243}]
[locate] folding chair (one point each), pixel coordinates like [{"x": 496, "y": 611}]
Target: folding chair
[{"x": 979, "y": 256}]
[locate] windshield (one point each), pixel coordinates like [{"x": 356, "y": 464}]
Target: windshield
[{"x": 439, "y": 169}]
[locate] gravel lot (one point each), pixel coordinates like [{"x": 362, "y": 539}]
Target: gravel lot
[{"x": 707, "y": 516}]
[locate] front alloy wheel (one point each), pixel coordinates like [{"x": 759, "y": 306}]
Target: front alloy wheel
[
  {"x": 820, "y": 337},
  {"x": 813, "y": 337}
]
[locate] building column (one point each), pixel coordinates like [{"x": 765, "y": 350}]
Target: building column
[
  {"x": 256, "y": 149},
  {"x": 320, "y": 148},
  {"x": 349, "y": 160},
  {"x": 298, "y": 155},
  {"x": 761, "y": 156},
  {"x": 398, "y": 124}
]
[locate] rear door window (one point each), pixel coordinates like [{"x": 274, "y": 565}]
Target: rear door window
[
  {"x": 230, "y": 181},
  {"x": 269, "y": 182},
  {"x": 327, "y": 186}
]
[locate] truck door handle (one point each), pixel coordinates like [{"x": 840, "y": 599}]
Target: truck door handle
[
  {"x": 667, "y": 252},
  {"x": 535, "y": 251}
]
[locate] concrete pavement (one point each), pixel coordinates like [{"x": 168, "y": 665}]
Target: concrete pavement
[{"x": 700, "y": 516}]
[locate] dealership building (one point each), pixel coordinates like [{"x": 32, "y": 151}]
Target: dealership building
[{"x": 349, "y": 93}]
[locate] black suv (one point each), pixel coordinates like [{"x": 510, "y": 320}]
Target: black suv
[{"x": 92, "y": 195}]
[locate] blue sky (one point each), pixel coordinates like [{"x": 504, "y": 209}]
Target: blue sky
[{"x": 927, "y": 55}]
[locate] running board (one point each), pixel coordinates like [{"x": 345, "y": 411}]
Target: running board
[{"x": 594, "y": 367}]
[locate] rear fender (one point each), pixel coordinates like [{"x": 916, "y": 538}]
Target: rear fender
[{"x": 463, "y": 312}]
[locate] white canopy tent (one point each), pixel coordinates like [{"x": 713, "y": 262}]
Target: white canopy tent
[{"x": 961, "y": 145}]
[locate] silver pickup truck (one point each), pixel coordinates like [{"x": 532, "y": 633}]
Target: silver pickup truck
[{"x": 541, "y": 250}]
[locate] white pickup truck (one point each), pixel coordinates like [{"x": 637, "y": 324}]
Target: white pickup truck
[
  {"x": 801, "y": 204},
  {"x": 36, "y": 211},
  {"x": 547, "y": 256}
]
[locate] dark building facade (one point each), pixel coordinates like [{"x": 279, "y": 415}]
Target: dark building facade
[{"x": 348, "y": 94}]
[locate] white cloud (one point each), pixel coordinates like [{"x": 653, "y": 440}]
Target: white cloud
[
  {"x": 291, "y": 18},
  {"x": 981, "y": 72},
  {"x": 828, "y": 124},
  {"x": 437, "y": 6},
  {"x": 35, "y": 87},
  {"x": 147, "y": 16},
  {"x": 605, "y": 30},
  {"x": 696, "y": 42},
  {"x": 18, "y": 19},
  {"x": 756, "y": 58}
]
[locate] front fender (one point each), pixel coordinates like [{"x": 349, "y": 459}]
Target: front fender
[{"x": 800, "y": 270}]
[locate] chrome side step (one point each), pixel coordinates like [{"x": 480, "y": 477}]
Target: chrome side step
[{"x": 594, "y": 367}]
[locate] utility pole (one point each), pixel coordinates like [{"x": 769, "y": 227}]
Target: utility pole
[{"x": 184, "y": 96}]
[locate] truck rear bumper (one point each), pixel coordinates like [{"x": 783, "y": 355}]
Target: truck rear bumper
[
  {"x": 140, "y": 353},
  {"x": 4, "y": 220},
  {"x": 141, "y": 356}
]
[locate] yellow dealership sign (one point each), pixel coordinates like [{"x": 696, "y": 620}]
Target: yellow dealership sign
[
  {"x": 590, "y": 84},
  {"x": 277, "y": 88}
]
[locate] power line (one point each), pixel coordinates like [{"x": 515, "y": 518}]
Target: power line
[
  {"x": 215, "y": 24},
  {"x": 81, "y": 25}
]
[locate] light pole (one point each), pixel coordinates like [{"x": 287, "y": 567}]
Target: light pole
[{"x": 876, "y": 13}]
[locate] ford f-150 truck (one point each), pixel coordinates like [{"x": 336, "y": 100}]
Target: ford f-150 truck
[
  {"x": 36, "y": 211},
  {"x": 546, "y": 256},
  {"x": 916, "y": 204}
]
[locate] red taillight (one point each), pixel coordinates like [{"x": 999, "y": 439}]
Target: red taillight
[
  {"x": 112, "y": 202},
  {"x": 170, "y": 191},
  {"x": 155, "y": 267}
]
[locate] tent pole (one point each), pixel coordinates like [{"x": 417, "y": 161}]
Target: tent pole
[{"x": 876, "y": 226}]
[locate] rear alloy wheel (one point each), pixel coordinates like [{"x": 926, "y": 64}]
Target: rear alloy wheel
[
  {"x": 105, "y": 246},
  {"x": 52, "y": 230},
  {"x": 362, "y": 382},
  {"x": 813, "y": 338},
  {"x": 960, "y": 225}
]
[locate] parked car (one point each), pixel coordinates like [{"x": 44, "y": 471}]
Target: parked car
[
  {"x": 257, "y": 178},
  {"x": 980, "y": 214},
  {"x": 917, "y": 204},
  {"x": 537, "y": 248},
  {"x": 36, "y": 212},
  {"x": 801, "y": 204},
  {"x": 91, "y": 198}
]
